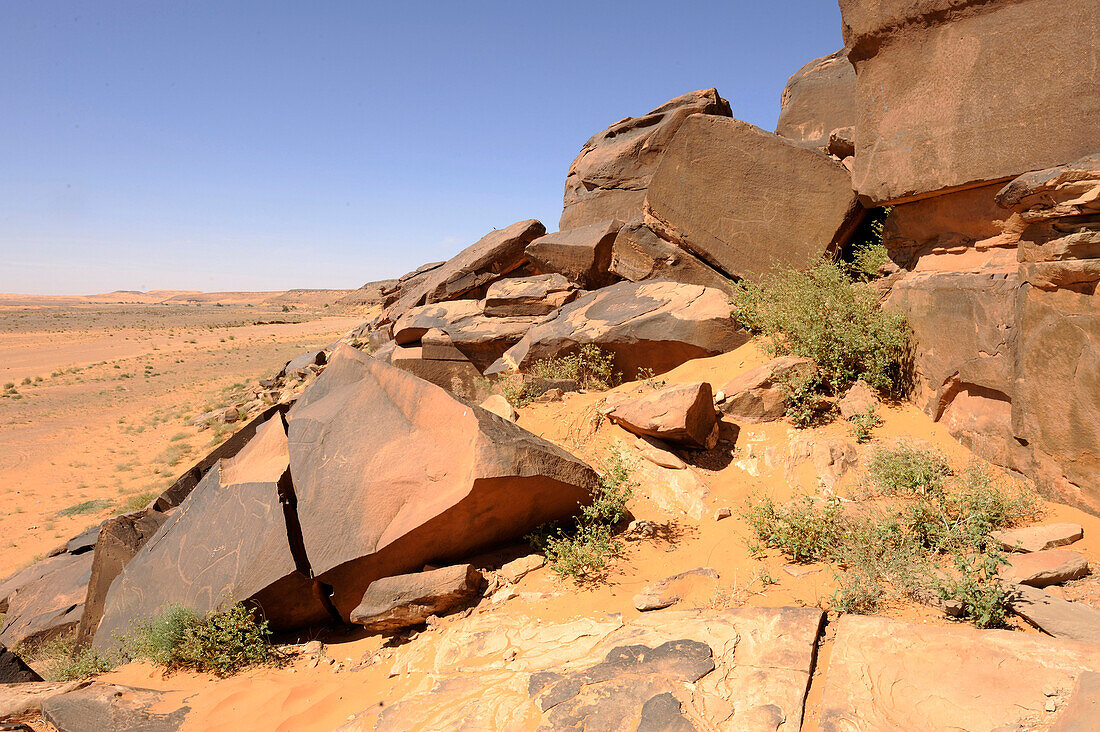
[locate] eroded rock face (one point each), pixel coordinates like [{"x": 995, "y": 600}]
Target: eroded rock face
[
  {"x": 779, "y": 204},
  {"x": 608, "y": 178},
  {"x": 654, "y": 325},
  {"x": 13, "y": 670},
  {"x": 229, "y": 541},
  {"x": 757, "y": 395},
  {"x": 670, "y": 590},
  {"x": 907, "y": 53},
  {"x": 889, "y": 674},
  {"x": 112, "y": 707},
  {"x": 392, "y": 473},
  {"x": 526, "y": 296},
  {"x": 746, "y": 669},
  {"x": 481, "y": 338},
  {"x": 819, "y": 98}
]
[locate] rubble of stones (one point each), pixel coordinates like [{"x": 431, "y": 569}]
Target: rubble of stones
[{"x": 315, "y": 512}]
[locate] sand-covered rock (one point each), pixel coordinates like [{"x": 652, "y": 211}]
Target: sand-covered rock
[{"x": 101, "y": 706}]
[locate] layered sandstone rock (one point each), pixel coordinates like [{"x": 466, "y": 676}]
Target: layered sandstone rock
[
  {"x": 757, "y": 395},
  {"x": 608, "y": 178},
  {"x": 777, "y": 204},
  {"x": 991, "y": 67},
  {"x": 479, "y": 337},
  {"x": 392, "y": 604},
  {"x": 538, "y": 295},
  {"x": 368, "y": 509},
  {"x": 819, "y": 98},
  {"x": 680, "y": 413},
  {"x": 653, "y": 325}
]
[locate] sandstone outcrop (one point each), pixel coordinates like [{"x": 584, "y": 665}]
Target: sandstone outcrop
[
  {"x": 480, "y": 338},
  {"x": 989, "y": 66},
  {"x": 655, "y": 325},
  {"x": 670, "y": 590},
  {"x": 608, "y": 178},
  {"x": 1049, "y": 567},
  {"x": 112, "y": 707},
  {"x": 819, "y": 98},
  {"x": 538, "y": 295},
  {"x": 1054, "y": 616},
  {"x": 46, "y": 601},
  {"x": 757, "y": 395},
  {"x": 779, "y": 205},
  {"x": 477, "y": 480}
]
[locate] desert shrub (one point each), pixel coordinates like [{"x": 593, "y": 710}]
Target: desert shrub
[
  {"x": 805, "y": 530},
  {"x": 590, "y": 366},
  {"x": 222, "y": 643},
  {"x": 907, "y": 469},
  {"x": 58, "y": 660},
  {"x": 818, "y": 313},
  {"x": 866, "y": 253},
  {"x": 806, "y": 401},
  {"x": 138, "y": 501},
  {"x": 82, "y": 664},
  {"x": 585, "y": 548},
  {"x": 863, "y": 423},
  {"x": 976, "y": 586}
]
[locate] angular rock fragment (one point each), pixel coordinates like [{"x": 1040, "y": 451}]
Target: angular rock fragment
[
  {"x": 538, "y": 295},
  {"x": 458, "y": 376},
  {"x": 1038, "y": 538},
  {"x": 671, "y": 590},
  {"x": 1040, "y": 569},
  {"x": 1079, "y": 715},
  {"x": 482, "y": 339},
  {"x": 392, "y": 473},
  {"x": 499, "y": 406},
  {"x": 13, "y": 670},
  {"x": 757, "y": 395},
  {"x": 681, "y": 413},
  {"x": 1054, "y": 616},
  {"x": 519, "y": 568},
  {"x": 608, "y": 178},
  {"x": 582, "y": 255},
  {"x": 819, "y": 98},
  {"x": 779, "y": 205},
  {"x": 392, "y": 604},
  {"x": 652, "y": 325},
  {"x": 859, "y": 399},
  {"x": 233, "y": 539},
  {"x": 639, "y": 254}
]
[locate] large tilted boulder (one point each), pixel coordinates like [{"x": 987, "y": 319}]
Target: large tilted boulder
[
  {"x": 228, "y": 541},
  {"x": 1014, "y": 84},
  {"x": 638, "y": 254},
  {"x": 47, "y": 600},
  {"x": 392, "y": 473},
  {"x": 608, "y": 178},
  {"x": 757, "y": 395},
  {"x": 747, "y": 201},
  {"x": 469, "y": 272},
  {"x": 582, "y": 255},
  {"x": 819, "y": 98},
  {"x": 652, "y": 325}
]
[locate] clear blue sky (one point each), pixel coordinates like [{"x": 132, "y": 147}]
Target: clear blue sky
[{"x": 269, "y": 145}]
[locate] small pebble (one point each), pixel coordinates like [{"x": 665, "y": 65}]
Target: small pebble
[{"x": 1052, "y": 706}]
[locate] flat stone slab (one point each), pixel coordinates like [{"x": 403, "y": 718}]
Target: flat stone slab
[
  {"x": 112, "y": 707},
  {"x": 1055, "y": 616},
  {"x": 1038, "y": 538},
  {"x": 1049, "y": 567},
  {"x": 740, "y": 669},
  {"x": 886, "y": 674},
  {"x": 392, "y": 604}
]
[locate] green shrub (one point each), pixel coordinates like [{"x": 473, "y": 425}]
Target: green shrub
[
  {"x": 585, "y": 549},
  {"x": 866, "y": 254},
  {"x": 819, "y": 313},
  {"x": 807, "y": 404},
  {"x": 805, "y": 530},
  {"x": 138, "y": 501},
  {"x": 222, "y": 643},
  {"x": 82, "y": 664},
  {"x": 975, "y": 585},
  {"x": 907, "y": 469},
  {"x": 863, "y": 423},
  {"x": 590, "y": 366}
]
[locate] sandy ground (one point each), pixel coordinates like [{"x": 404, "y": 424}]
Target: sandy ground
[
  {"x": 96, "y": 416},
  {"x": 296, "y": 697}
]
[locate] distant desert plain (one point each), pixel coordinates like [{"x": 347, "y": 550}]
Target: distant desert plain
[{"x": 97, "y": 394}]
